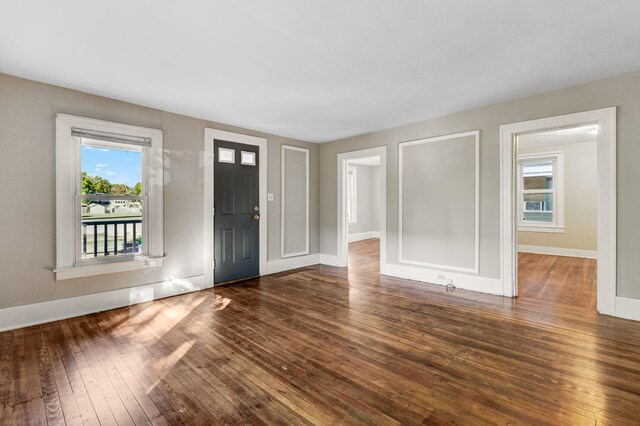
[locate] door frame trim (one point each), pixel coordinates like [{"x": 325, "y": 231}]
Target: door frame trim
[
  {"x": 342, "y": 239},
  {"x": 607, "y": 223},
  {"x": 208, "y": 163}
]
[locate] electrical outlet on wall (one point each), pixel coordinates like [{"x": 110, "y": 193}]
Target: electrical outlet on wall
[
  {"x": 269, "y": 197},
  {"x": 443, "y": 279}
]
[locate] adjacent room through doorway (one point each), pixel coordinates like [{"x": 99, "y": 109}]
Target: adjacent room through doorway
[
  {"x": 362, "y": 209},
  {"x": 557, "y": 212}
]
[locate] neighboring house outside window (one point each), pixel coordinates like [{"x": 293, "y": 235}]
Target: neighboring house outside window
[
  {"x": 541, "y": 192},
  {"x": 109, "y": 184},
  {"x": 352, "y": 195}
]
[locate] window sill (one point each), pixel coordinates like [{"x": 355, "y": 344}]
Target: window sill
[
  {"x": 108, "y": 268},
  {"x": 549, "y": 229}
]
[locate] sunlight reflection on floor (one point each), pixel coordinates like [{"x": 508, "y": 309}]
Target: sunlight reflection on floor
[
  {"x": 220, "y": 303},
  {"x": 166, "y": 364}
]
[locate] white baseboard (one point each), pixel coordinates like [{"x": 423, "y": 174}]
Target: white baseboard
[
  {"x": 53, "y": 310},
  {"x": 39, "y": 313},
  {"x": 557, "y": 251},
  {"x": 363, "y": 236},
  {"x": 462, "y": 281},
  {"x": 628, "y": 308},
  {"x": 329, "y": 259},
  {"x": 286, "y": 264}
]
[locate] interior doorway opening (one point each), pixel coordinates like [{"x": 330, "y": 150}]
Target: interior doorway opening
[
  {"x": 605, "y": 119},
  {"x": 362, "y": 209},
  {"x": 362, "y": 200},
  {"x": 556, "y": 193}
]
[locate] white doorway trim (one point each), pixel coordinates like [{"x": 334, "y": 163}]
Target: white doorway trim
[
  {"x": 606, "y": 121},
  {"x": 342, "y": 240},
  {"x": 208, "y": 163}
]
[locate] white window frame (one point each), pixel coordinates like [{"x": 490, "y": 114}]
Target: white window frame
[
  {"x": 69, "y": 190},
  {"x": 557, "y": 224},
  {"x": 352, "y": 195}
]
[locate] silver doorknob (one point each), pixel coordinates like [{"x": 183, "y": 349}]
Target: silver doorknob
[{"x": 256, "y": 217}]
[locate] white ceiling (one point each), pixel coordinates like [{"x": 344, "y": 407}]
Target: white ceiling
[{"x": 318, "y": 70}]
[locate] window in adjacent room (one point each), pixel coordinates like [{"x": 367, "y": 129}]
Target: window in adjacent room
[
  {"x": 352, "y": 196},
  {"x": 541, "y": 200}
]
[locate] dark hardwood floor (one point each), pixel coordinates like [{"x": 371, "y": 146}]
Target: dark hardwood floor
[
  {"x": 558, "y": 279},
  {"x": 323, "y": 345}
]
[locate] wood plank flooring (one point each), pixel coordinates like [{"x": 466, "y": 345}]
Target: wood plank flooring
[
  {"x": 323, "y": 345},
  {"x": 558, "y": 279}
]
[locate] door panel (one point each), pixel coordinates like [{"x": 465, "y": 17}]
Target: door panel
[
  {"x": 246, "y": 206},
  {"x": 247, "y": 242},
  {"x": 236, "y": 220},
  {"x": 226, "y": 251},
  {"x": 228, "y": 190}
]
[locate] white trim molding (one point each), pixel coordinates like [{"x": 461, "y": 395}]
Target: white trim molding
[
  {"x": 281, "y": 265},
  {"x": 558, "y": 251},
  {"x": 208, "y": 164},
  {"x": 352, "y": 238},
  {"x": 546, "y": 229},
  {"x": 342, "y": 249},
  {"x": 605, "y": 119},
  {"x": 440, "y": 277},
  {"x": 283, "y": 193},
  {"x": 140, "y": 262},
  {"x": 54, "y": 310},
  {"x": 401, "y": 147}
]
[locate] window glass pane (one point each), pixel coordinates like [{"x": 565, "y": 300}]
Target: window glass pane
[
  {"x": 226, "y": 155},
  {"x": 109, "y": 170},
  {"x": 351, "y": 196},
  {"x": 538, "y": 182},
  {"x": 110, "y": 227},
  {"x": 537, "y": 207},
  {"x": 538, "y": 175},
  {"x": 248, "y": 158}
]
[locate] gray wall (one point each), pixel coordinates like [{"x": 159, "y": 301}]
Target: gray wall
[
  {"x": 27, "y": 193},
  {"x": 623, "y": 91},
  {"x": 439, "y": 202},
  {"x": 368, "y": 199}
]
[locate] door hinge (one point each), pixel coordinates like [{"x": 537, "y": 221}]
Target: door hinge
[
  {"x": 214, "y": 264},
  {"x": 214, "y": 210}
]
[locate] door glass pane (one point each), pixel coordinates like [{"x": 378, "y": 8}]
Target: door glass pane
[
  {"x": 110, "y": 227},
  {"x": 247, "y": 158},
  {"x": 226, "y": 155},
  {"x": 537, "y": 207}
]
